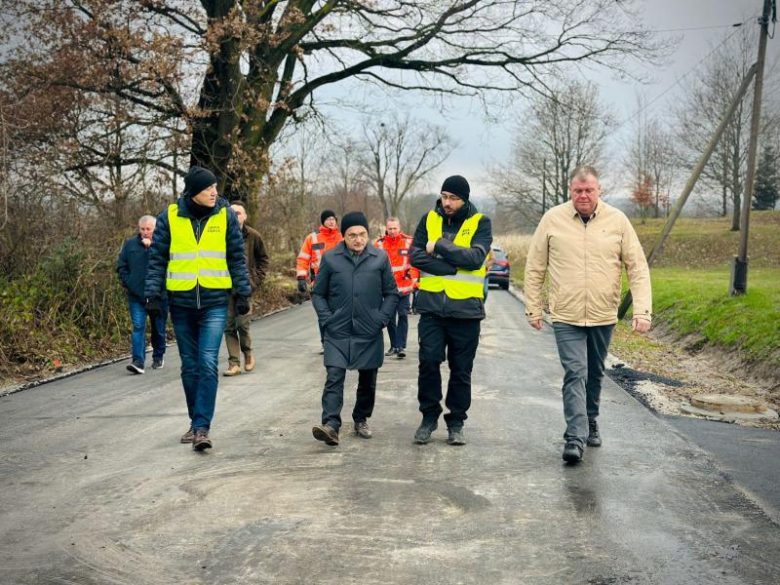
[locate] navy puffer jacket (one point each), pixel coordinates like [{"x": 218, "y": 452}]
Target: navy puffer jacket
[{"x": 199, "y": 297}]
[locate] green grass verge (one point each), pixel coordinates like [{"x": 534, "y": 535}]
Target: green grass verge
[{"x": 697, "y": 302}]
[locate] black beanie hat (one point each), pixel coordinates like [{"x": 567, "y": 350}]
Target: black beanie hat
[
  {"x": 197, "y": 180},
  {"x": 326, "y": 214},
  {"x": 352, "y": 219},
  {"x": 457, "y": 185}
]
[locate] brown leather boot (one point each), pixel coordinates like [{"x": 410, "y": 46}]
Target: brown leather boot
[
  {"x": 201, "y": 441},
  {"x": 189, "y": 436},
  {"x": 326, "y": 433},
  {"x": 249, "y": 362},
  {"x": 233, "y": 370}
]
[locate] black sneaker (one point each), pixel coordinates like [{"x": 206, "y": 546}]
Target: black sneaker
[
  {"x": 401, "y": 353},
  {"x": 594, "y": 437},
  {"x": 423, "y": 433},
  {"x": 456, "y": 436},
  {"x": 136, "y": 368},
  {"x": 572, "y": 453},
  {"x": 391, "y": 351},
  {"x": 157, "y": 364}
]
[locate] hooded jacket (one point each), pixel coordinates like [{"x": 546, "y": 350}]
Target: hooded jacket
[
  {"x": 447, "y": 258},
  {"x": 199, "y": 297}
]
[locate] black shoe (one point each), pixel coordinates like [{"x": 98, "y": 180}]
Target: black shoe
[
  {"x": 158, "y": 364},
  {"x": 594, "y": 437},
  {"x": 201, "y": 440},
  {"x": 136, "y": 368},
  {"x": 326, "y": 433},
  {"x": 456, "y": 436},
  {"x": 401, "y": 353},
  {"x": 572, "y": 453},
  {"x": 391, "y": 351},
  {"x": 423, "y": 433}
]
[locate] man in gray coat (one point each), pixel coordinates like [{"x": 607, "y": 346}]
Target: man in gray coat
[{"x": 355, "y": 296}]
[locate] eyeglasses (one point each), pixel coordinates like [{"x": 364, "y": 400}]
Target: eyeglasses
[
  {"x": 449, "y": 197},
  {"x": 353, "y": 237}
]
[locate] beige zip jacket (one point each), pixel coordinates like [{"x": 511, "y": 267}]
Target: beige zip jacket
[{"x": 584, "y": 263}]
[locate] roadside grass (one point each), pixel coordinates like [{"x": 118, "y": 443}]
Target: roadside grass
[{"x": 516, "y": 247}]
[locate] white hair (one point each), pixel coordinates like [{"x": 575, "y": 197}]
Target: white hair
[{"x": 147, "y": 219}]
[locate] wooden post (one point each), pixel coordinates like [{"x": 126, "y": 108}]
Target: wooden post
[
  {"x": 691, "y": 183},
  {"x": 739, "y": 267}
]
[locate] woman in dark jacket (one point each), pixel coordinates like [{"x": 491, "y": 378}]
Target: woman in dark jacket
[{"x": 354, "y": 296}]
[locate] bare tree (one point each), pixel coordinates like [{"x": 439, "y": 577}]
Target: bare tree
[
  {"x": 556, "y": 135},
  {"x": 399, "y": 155},
  {"x": 703, "y": 107},
  {"x": 234, "y": 72}
]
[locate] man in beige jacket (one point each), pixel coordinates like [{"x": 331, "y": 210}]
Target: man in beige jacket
[{"x": 582, "y": 245}]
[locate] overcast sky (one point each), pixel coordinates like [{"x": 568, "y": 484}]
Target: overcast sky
[{"x": 481, "y": 144}]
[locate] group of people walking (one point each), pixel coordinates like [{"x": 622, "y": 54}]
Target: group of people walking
[{"x": 196, "y": 268}]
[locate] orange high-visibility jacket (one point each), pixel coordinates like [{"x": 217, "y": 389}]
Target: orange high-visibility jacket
[
  {"x": 407, "y": 278},
  {"x": 314, "y": 246}
]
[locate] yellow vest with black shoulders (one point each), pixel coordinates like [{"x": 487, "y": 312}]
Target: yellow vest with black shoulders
[
  {"x": 466, "y": 284},
  {"x": 192, "y": 261}
]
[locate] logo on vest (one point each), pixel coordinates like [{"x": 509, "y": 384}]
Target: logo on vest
[
  {"x": 213, "y": 229},
  {"x": 466, "y": 232}
]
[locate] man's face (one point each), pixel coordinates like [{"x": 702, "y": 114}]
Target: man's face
[
  {"x": 393, "y": 228},
  {"x": 240, "y": 213},
  {"x": 330, "y": 223},
  {"x": 451, "y": 203},
  {"x": 207, "y": 197},
  {"x": 585, "y": 192},
  {"x": 356, "y": 238},
  {"x": 146, "y": 229}
]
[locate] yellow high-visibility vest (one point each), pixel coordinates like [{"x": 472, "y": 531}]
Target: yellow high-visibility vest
[
  {"x": 194, "y": 261},
  {"x": 466, "y": 284}
]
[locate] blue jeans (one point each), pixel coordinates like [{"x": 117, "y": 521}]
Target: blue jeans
[
  {"x": 199, "y": 335},
  {"x": 398, "y": 326},
  {"x": 138, "y": 316}
]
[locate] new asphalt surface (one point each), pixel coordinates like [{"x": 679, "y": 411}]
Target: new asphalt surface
[{"x": 96, "y": 489}]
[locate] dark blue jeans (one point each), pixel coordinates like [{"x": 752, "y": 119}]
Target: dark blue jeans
[
  {"x": 399, "y": 331},
  {"x": 138, "y": 316},
  {"x": 199, "y": 335}
]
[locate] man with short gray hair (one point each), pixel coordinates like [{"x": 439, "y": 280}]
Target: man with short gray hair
[
  {"x": 131, "y": 267},
  {"x": 582, "y": 245}
]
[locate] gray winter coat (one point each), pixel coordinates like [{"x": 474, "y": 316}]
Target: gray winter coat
[{"x": 354, "y": 303}]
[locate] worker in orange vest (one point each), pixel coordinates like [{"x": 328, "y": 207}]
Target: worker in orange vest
[
  {"x": 314, "y": 246},
  {"x": 397, "y": 245}
]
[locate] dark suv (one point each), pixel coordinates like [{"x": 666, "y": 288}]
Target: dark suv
[{"x": 499, "y": 271}]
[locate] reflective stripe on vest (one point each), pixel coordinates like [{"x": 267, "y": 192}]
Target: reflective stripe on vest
[
  {"x": 194, "y": 262},
  {"x": 466, "y": 284}
]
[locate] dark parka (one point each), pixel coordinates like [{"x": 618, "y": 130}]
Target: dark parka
[
  {"x": 131, "y": 267},
  {"x": 199, "y": 297},
  {"x": 354, "y": 302}
]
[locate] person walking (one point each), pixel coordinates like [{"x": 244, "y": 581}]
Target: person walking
[
  {"x": 197, "y": 258},
  {"x": 397, "y": 245},
  {"x": 355, "y": 296},
  {"x": 450, "y": 245},
  {"x": 307, "y": 264},
  {"x": 237, "y": 335},
  {"x": 582, "y": 246},
  {"x": 131, "y": 266}
]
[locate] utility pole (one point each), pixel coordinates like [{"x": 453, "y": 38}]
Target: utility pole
[{"x": 739, "y": 267}]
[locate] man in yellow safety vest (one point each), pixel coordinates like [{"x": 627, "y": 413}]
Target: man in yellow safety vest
[
  {"x": 449, "y": 248},
  {"x": 197, "y": 259}
]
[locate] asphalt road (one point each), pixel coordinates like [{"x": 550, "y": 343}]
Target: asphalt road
[{"x": 95, "y": 488}]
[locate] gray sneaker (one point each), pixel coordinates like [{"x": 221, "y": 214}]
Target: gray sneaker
[
  {"x": 572, "y": 453},
  {"x": 158, "y": 364},
  {"x": 456, "y": 436},
  {"x": 423, "y": 433},
  {"x": 362, "y": 430}
]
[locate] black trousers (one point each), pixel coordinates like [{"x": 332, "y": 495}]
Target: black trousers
[
  {"x": 455, "y": 340},
  {"x": 333, "y": 396}
]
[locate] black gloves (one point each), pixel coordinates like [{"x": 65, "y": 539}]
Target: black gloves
[
  {"x": 153, "y": 307},
  {"x": 241, "y": 304},
  {"x": 301, "y": 285}
]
